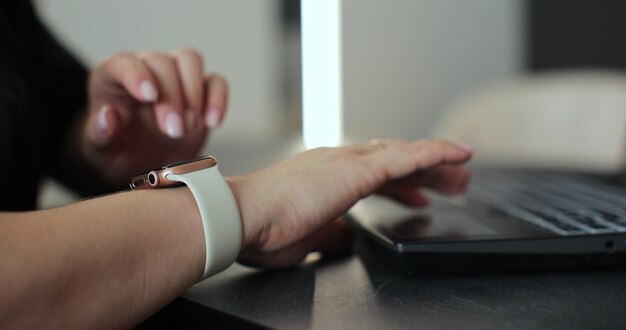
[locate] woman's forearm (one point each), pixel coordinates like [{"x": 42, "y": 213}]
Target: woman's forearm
[{"x": 108, "y": 262}]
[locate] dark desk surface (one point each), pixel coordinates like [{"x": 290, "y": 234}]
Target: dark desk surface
[{"x": 361, "y": 292}]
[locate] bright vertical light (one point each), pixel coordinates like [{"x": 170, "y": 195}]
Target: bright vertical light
[{"x": 321, "y": 73}]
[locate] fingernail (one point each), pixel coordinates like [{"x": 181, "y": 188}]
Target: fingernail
[
  {"x": 465, "y": 146},
  {"x": 174, "y": 125},
  {"x": 213, "y": 117},
  {"x": 190, "y": 118},
  {"x": 148, "y": 91},
  {"x": 102, "y": 122}
]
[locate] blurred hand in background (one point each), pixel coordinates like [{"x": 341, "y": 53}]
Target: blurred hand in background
[{"x": 148, "y": 109}]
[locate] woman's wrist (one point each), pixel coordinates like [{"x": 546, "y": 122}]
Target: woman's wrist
[{"x": 253, "y": 212}]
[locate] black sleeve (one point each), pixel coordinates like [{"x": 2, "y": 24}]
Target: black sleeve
[
  {"x": 43, "y": 95},
  {"x": 64, "y": 91},
  {"x": 36, "y": 78}
]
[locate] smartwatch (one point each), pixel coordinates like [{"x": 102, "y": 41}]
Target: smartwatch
[{"x": 218, "y": 209}]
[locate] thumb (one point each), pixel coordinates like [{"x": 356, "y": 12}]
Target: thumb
[{"x": 101, "y": 127}]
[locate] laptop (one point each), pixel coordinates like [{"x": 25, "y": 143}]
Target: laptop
[{"x": 508, "y": 220}]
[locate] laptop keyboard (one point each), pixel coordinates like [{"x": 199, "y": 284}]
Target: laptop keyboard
[{"x": 563, "y": 204}]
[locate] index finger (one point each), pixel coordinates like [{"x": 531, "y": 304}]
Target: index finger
[
  {"x": 129, "y": 71},
  {"x": 169, "y": 107}
]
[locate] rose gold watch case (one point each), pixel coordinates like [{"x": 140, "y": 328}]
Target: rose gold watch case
[{"x": 158, "y": 178}]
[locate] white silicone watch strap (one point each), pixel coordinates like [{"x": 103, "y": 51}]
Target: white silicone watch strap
[{"x": 220, "y": 217}]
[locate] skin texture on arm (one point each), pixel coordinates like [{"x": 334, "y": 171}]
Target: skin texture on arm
[
  {"x": 107, "y": 263},
  {"x": 110, "y": 262}
]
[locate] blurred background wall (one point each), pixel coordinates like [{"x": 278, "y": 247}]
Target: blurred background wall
[{"x": 405, "y": 60}]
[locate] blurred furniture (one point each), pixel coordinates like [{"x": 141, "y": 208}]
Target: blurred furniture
[{"x": 572, "y": 120}]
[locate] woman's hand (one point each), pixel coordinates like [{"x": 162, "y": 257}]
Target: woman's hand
[
  {"x": 150, "y": 109},
  {"x": 288, "y": 209}
]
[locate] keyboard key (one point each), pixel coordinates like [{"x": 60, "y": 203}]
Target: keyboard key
[
  {"x": 558, "y": 203},
  {"x": 553, "y": 221},
  {"x": 608, "y": 216},
  {"x": 590, "y": 222}
]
